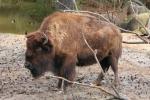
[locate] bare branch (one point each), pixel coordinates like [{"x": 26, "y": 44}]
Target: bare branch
[
  {"x": 99, "y": 15},
  {"x": 62, "y": 85},
  {"x": 144, "y": 40},
  {"x": 76, "y": 7},
  {"x": 132, "y": 7},
  {"x": 91, "y": 13},
  {"x": 62, "y": 4},
  {"x": 133, "y": 42},
  {"x": 86, "y": 85},
  {"x": 94, "y": 52}
]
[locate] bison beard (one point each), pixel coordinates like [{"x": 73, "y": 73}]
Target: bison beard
[{"x": 58, "y": 46}]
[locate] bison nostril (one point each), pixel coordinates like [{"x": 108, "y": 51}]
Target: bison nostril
[{"x": 27, "y": 65}]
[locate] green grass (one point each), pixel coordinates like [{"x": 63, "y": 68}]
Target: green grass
[{"x": 18, "y": 17}]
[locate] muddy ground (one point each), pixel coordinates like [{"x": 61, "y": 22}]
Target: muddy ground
[{"x": 16, "y": 82}]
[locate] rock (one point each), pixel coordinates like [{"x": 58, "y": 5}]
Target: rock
[{"x": 133, "y": 24}]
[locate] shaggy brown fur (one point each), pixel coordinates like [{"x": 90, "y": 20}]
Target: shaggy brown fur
[{"x": 66, "y": 48}]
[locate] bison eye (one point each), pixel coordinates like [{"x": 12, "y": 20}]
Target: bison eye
[
  {"x": 39, "y": 49},
  {"x": 45, "y": 48}
]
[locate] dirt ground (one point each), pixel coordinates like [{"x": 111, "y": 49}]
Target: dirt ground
[{"x": 16, "y": 82}]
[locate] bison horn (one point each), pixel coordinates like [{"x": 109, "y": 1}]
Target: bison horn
[{"x": 45, "y": 39}]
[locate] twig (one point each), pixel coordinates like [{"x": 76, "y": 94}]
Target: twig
[
  {"x": 87, "y": 85},
  {"x": 88, "y": 13},
  {"x": 144, "y": 40},
  {"x": 94, "y": 52},
  {"x": 108, "y": 16},
  {"x": 76, "y": 7},
  {"x": 62, "y": 4},
  {"x": 133, "y": 42},
  {"x": 108, "y": 22},
  {"x": 62, "y": 85},
  {"x": 132, "y": 7},
  {"x": 118, "y": 95}
]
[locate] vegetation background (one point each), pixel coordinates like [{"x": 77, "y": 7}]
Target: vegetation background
[{"x": 18, "y": 16}]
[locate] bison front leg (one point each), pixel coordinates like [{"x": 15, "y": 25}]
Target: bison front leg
[{"x": 67, "y": 70}]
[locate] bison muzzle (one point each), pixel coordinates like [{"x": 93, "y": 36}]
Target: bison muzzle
[{"x": 58, "y": 45}]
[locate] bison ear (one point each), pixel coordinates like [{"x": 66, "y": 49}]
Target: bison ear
[{"x": 31, "y": 36}]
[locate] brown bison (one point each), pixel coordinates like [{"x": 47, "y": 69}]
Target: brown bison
[{"x": 58, "y": 45}]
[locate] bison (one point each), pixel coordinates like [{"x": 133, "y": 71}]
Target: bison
[{"x": 58, "y": 45}]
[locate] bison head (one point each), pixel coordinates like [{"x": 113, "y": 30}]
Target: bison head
[{"x": 39, "y": 53}]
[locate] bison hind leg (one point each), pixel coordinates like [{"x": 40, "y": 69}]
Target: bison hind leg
[
  {"x": 114, "y": 66},
  {"x": 105, "y": 64}
]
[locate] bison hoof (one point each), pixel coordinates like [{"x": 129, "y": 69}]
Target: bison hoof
[
  {"x": 116, "y": 83},
  {"x": 97, "y": 83}
]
